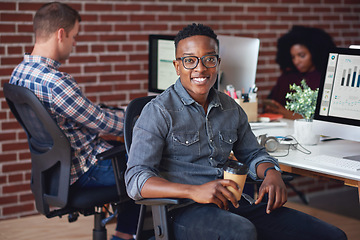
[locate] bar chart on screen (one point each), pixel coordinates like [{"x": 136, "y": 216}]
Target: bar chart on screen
[
  {"x": 349, "y": 67},
  {"x": 350, "y": 77},
  {"x": 345, "y": 99}
]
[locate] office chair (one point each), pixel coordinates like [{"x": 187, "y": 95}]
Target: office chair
[{"x": 51, "y": 161}]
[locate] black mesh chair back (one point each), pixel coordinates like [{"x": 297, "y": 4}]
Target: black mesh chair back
[
  {"x": 49, "y": 148},
  {"x": 51, "y": 162},
  {"x": 132, "y": 113}
]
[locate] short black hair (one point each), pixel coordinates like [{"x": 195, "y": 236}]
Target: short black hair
[
  {"x": 316, "y": 40},
  {"x": 194, "y": 30}
]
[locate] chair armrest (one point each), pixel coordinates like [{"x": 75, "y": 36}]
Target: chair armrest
[
  {"x": 117, "y": 155},
  {"x": 159, "y": 210},
  {"x": 159, "y": 201},
  {"x": 285, "y": 177},
  {"x": 103, "y": 105},
  {"x": 111, "y": 153}
]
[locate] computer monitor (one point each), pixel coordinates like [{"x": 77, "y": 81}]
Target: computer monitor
[
  {"x": 337, "y": 111},
  {"x": 238, "y": 55},
  {"x": 162, "y": 72}
]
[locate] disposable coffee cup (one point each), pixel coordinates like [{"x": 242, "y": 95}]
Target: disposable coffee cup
[{"x": 237, "y": 172}]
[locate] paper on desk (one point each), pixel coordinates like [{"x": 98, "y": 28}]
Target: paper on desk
[{"x": 258, "y": 125}]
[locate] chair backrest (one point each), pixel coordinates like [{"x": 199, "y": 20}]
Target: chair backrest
[
  {"x": 49, "y": 147},
  {"x": 132, "y": 113},
  {"x": 158, "y": 205}
]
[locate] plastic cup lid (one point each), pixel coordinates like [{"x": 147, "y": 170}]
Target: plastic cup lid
[{"x": 235, "y": 167}]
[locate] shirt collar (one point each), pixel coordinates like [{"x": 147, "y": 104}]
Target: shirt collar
[
  {"x": 184, "y": 95},
  {"x": 43, "y": 60},
  {"x": 188, "y": 100}
]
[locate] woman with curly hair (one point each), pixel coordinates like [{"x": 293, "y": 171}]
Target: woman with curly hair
[{"x": 302, "y": 54}]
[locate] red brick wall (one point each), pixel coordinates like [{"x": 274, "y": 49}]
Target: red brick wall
[{"x": 110, "y": 61}]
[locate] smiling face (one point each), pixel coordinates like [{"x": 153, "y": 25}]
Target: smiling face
[
  {"x": 301, "y": 58},
  {"x": 197, "y": 81}
]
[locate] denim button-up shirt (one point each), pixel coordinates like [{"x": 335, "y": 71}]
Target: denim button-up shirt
[{"x": 175, "y": 139}]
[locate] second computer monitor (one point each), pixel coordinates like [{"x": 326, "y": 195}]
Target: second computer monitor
[
  {"x": 239, "y": 57},
  {"x": 338, "y": 105}
]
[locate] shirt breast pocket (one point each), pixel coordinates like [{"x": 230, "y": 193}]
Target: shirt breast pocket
[
  {"x": 186, "y": 143},
  {"x": 227, "y": 139}
]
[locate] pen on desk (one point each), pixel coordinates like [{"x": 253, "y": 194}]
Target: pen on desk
[
  {"x": 253, "y": 93},
  {"x": 330, "y": 139},
  {"x": 253, "y": 89}
]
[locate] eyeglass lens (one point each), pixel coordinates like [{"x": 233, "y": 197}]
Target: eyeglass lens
[{"x": 208, "y": 61}]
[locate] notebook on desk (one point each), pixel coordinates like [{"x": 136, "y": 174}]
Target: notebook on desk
[{"x": 258, "y": 125}]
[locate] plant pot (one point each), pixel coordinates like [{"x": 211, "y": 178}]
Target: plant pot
[{"x": 303, "y": 132}]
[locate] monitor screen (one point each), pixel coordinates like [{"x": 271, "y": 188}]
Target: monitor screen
[
  {"x": 337, "y": 112},
  {"x": 239, "y": 56},
  {"x": 162, "y": 72}
]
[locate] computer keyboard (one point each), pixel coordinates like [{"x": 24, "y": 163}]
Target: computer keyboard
[{"x": 337, "y": 162}]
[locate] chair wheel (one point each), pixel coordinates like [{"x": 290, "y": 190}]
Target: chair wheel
[{"x": 72, "y": 217}]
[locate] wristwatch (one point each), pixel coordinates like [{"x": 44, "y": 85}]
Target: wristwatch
[{"x": 273, "y": 167}]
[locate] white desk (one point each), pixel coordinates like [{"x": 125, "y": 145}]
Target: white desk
[{"x": 294, "y": 162}]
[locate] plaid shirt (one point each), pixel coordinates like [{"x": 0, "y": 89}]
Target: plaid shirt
[{"x": 77, "y": 116}]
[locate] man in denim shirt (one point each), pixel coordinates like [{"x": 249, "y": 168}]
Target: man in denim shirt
[{"x": 182, "y": 139}]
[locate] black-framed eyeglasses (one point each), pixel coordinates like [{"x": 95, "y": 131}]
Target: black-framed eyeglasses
[{"x": 191, "y": 62}]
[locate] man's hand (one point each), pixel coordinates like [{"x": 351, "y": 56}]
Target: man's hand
[
  {"x": 276, "y": 189},
  {"x": 215, "y": 192}
]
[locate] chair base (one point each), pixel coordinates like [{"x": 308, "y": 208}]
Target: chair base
[{"x": 99, "y": 231}]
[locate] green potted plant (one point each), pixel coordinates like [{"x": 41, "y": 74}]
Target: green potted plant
[{"x": 302, "y": 100}]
